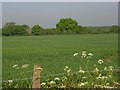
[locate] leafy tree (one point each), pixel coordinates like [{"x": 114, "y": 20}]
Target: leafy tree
[
  {"x": 37, "y": 30},
  {"x": 8, "y": 29},
  {"x": 114, "y": 28},
  {"x": 11, "y": 28},
  {"x": 20, "y": 30},
  {"x": 67, "y": 24}
]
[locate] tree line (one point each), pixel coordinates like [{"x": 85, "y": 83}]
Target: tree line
[{"x": 64, "y": 26}]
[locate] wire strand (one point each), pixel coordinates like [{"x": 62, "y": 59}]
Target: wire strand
[{"x": 58, "y": 74}]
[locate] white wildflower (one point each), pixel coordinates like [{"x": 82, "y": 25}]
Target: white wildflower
[
  {"x": 107, "y": 84},
  {"x": 96, "y": 70},
  {"x": 68, "y": 71},
  {"x": 109, "y": 76},
  {"x": 57, "y": 79},
  {"x": 84, "y": 77},
  {"x": 109, "y": 87},
  {"x": 76, "y": 54},
  {"x": 83, "y": 52},
  {"x": 62, "y": 86},
  {"x": 81, "y": 84},
  {"x": 104, "y": 77},
  {"x": 10, "y": 81},
  {"x": 43, "y": 84},
  {"x": 25, "y": 66},
  {"x": 52, "y": 82},
  {"x": 81, "y": 71},
  {"x": 105, "y": 68},
  {"x": 100, "y": 61},
  {"x": 66, "y": 68},
  {"x": 64, "y": 78},
  {"x": 98, "y": 77},
  {"x": 14, "y": 65},
  {"x": 110, "y": 67},
  {"x": 90, "y": 54},
  {"x": 98, "y": 86}
]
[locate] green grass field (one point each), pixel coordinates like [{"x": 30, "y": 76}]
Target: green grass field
[{"x": 54, "y": 52}]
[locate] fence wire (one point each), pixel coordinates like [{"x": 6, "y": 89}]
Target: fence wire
[{"x": 52, "y": 75}]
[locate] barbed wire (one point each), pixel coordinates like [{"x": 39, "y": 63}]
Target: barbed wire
[
  {"x": 17, "y": 79},
  {"x": 23, "y": 73},
  {"x": 59, "y": 74}
]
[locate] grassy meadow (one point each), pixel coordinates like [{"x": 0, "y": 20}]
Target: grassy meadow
[{"x": 54, "y": 52}]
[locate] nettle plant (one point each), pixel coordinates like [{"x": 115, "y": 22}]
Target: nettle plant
[{"x": 84, "y": 78}]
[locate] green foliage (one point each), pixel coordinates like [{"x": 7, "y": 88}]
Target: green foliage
[
  {"x": 64, "y": 26},
  {"x": 114, "y": 28},
  {"x": 67, "y": 24},
  {"x": 37, "y": 30},
  {"x": 11, "y": 28}
]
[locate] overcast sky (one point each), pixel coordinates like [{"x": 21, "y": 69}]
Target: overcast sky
[{"x": 47, "y": 14}]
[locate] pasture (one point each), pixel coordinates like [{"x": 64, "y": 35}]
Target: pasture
[{"x": 54, "y": 52}]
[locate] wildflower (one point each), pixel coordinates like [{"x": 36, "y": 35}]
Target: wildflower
[
  {"x": 96, "y": 70},
  {"x": 84, "y": 77},
  {"x": 81, "y": 84},
  {"x": 43, "y": 84},
  {"x": 90, "y": 54},
  {"x": 25, "y": 66},
  {"x": 105, "y": 68},
  {"x": 76, "y": 54},
  {"x": 66, "y": 68},
  {"x": 104, "y": 77},
  {"x": 98, "y": 77},
  {"x": 62, "y": 86},
  {"x": 84, "y": 53},
  {"x": 116, "y": 83},
  {"x": 109, "y": 76},
  {"x": 100, "y": 61},
  {"x": 81, "y": 71},
  {"x": 14, "y": 65},
  {"x": 10, "y": 81},
  {"x": 110, "y": 67},
  {"x": 65, "y": 78},
  {"x": 98, "y": 86},
  {"x": 68, "y": 71},
  {"x": 107, "y": 84},
  {"x": 52, "y": 82},
  {"x": 57, "y": 79}
]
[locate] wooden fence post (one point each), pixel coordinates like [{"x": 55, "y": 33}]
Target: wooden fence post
[{"x": 36, "y": 77}]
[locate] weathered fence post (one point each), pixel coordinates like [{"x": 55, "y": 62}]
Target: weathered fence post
[{"x": 36, "y": 77}]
